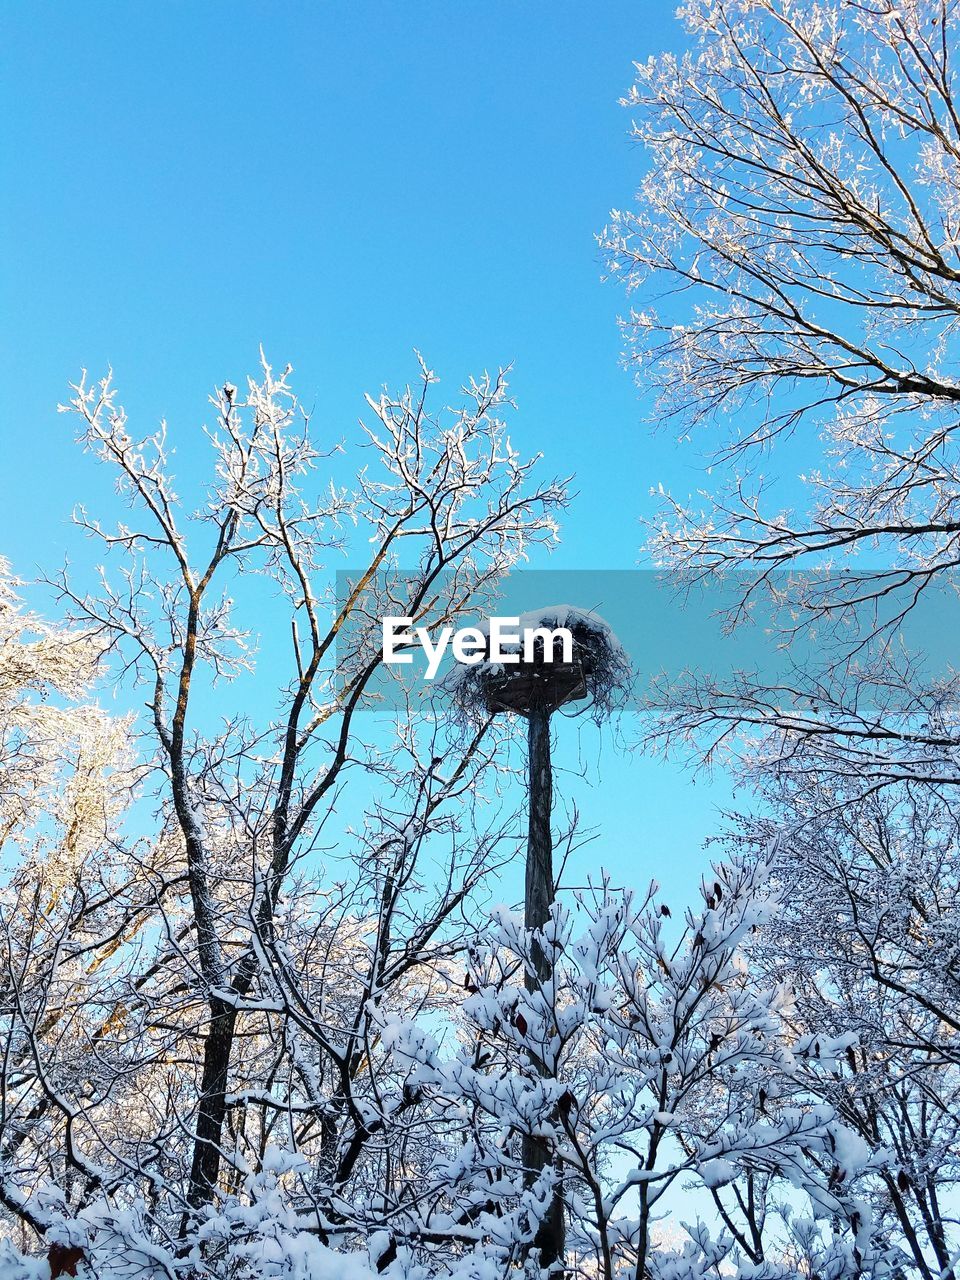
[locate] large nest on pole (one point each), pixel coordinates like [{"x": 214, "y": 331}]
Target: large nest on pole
[{"x": 598, "y": 674}]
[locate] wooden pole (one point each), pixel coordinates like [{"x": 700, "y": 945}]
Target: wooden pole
[
  {"x": 539, "y": 897},
  {"x": 539, "y": 882}
]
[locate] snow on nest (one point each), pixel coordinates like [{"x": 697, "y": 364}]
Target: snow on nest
[{"x": 609, "y": 676}]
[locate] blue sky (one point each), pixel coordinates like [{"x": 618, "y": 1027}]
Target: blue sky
[{"x": 342, "y": 183}]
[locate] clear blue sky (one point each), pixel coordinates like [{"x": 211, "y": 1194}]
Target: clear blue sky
[{"x": 342, "y": 183}]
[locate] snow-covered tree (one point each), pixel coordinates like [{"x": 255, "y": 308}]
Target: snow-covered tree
[
  {"x": 70, "y": 897},
  {"x": 867, "y": 936},
  {"x": 795, "y": 245},
  {"x": 183, "y": 998}
]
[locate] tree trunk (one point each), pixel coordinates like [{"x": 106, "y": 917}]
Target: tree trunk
[
  {"x": 217, "y": 1048},
  {"x": 551, "y": 1235}
]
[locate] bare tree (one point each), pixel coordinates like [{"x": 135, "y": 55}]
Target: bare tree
[
  {"x": 796, "y": 243},
  {"x": 246, "y": 983},
  {"x": 797, "y": 235}
]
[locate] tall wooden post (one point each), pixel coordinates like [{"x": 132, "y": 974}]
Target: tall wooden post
[
  {"x": 539, "y": 897},
  {"x": 539, "y": 880},
  {"x": 535, "y": 686}
]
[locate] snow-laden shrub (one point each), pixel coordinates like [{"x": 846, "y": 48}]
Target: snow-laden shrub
[
  {"x": 259, "y": 1235},
  {"x": 650, "y": 1065},
  {"x": 255, "y": 1235}
]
